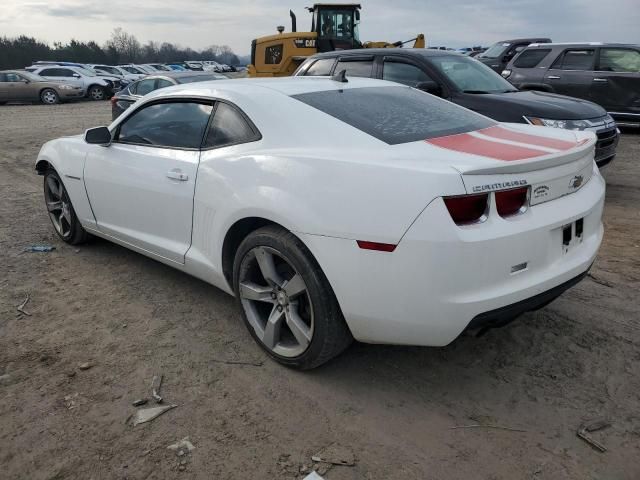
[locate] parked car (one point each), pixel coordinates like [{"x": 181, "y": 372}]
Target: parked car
[
  {"x": 135, "y": 69},
  {"x": 467, "y": 82},
  {"x": 23, "y": 86},
  {"x": 499, "y": 54},
  {"x": 270, "y": 189},
  {"x": 194, "y": 65},
  {"x": 116, "y": 72},
  {"x": 157, "y": 67},
  {"x": 95, "y": 87},
  {"x": 605, "y": 73},
  {"x": 128, "y": 96},
  {"x": 176, "y": 68}
]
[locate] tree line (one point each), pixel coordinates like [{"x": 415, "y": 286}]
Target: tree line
[{"x": 121, "y": 48}]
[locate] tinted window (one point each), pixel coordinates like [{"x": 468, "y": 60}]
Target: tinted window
[
  {"x": 177, "y": 124},
  {"x": 619, "y": 60},
  {"x": 320, "y": 67},
  {"x": 469, "y": 75},
  {"x": 395, "y": 114},
  {"x": 162, "y": 83},
  {"x": 530, "y": 58},
  {"x": 576, "y": 60},
  {"x": 145, "y": 86},
  {"x": 404, "y": 73},
  {"x": 51, "y": 72},
  {"x": 229, "y": 127},
  {"x": 356, "y": 68}
]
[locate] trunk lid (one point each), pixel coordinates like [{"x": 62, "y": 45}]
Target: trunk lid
[{"x": 552, "y": 162}]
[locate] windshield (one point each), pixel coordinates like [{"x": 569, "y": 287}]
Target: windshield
[
  {"x": 86, "y": 72},
  {"x": 496, "y": 50},
  {"x": 337, "y": 24},
  {"x": 33, "y": 77},
  {"x": 471, "y": 76}
]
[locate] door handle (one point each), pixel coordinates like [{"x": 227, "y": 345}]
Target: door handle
[
  {"x": 177, "y": 174},
  {"x": 553, "y": 77},
  {"x": 600, "y": 80}
]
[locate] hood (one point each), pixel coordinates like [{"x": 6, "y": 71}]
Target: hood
[{"x": 510, "y": 107}]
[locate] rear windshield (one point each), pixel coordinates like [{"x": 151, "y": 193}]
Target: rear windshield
[
  {"x": 395, "y": 114},
  {"x": 530, "y": 58}
]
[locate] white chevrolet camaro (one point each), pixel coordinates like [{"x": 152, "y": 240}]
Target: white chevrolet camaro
[{"x": 336, "y": 210}]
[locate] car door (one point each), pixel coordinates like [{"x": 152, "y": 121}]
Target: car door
[
  {"x": 572, "y": 72},
  {"x": 141, "y": 186},
  {"x": 616, "y": 81},
  {"x": 16, "y": 87}
]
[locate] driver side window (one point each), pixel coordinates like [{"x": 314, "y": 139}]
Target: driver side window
[
  {"x": 169, "y": 124},
  {"x": 404, "y": 73}
]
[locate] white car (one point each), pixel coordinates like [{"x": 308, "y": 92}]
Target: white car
[
  {"x": 95, "y": 87},
  {"x": 335, "y": 210},
  {"x": 117, "y": 72},
  {"x": 136, "y": 70}
]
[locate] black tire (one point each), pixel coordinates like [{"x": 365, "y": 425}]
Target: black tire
[
  {"x": 330, "y": 333},
  {"x": 97, "y": 93},
  {"x": 68, "y": 228},
  {"x": 49, "y": 96}
]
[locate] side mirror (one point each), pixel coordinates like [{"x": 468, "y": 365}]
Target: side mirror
[
  {"x": 98, "y": 136},
  {"x": 24, "y": 80},
  {"x": 76, "y": 75},
  {"x": 430, "y": 87}
]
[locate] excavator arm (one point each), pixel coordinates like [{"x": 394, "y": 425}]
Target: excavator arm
[{"x": 419, "y": 42}]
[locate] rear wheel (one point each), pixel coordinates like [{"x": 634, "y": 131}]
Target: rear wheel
[
  {"x": 49, "y": 96},
  {"x": 96, "y": 92},
  {"x": 61, "y": 212},
  {"x": 287, "y": 302}
]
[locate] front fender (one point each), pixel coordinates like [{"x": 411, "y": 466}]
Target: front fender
[{"x": 67, "y": 157}]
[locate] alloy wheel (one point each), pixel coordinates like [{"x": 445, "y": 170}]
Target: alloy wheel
[
  {"x": 49, "y": 97},
  {"x": 97, "y": 93},
  {"x": 58, "y": 206},
  {"x": 276, "y": 301}
]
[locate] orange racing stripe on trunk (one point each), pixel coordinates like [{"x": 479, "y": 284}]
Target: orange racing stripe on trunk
[
  {"x": 466, "y": 143},
  {"x": 532, "y": 140}
]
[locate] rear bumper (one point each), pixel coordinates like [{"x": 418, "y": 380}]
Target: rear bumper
[
  {"x": 503, "y": 315},
  {"x": 441, "y": 277}
]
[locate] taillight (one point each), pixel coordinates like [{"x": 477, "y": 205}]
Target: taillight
[
  {"x": 466, "y": 209},
  {"x": 510, "y": 202}
]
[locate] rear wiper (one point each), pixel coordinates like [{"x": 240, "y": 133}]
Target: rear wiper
[{"x": 475, "y": 91}]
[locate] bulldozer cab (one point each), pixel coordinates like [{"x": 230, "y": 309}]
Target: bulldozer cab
[{"x": 336, "y": 26}]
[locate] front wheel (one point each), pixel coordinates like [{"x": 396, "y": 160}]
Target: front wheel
[
  {"x": 49, "y": 96},
  {"x": 287, "y": 302},
  {"x": 96, "y": 92},
  {"x": 61, "y": 212}
]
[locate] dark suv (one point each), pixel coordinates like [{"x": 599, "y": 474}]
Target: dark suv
[
  {"x": 607, "y": 74},
  {"x": 469, "y": 83},
  {"x": 499, "y": 54}
]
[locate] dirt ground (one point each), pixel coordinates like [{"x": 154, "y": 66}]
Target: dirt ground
[{"x": 392, "y": 408}]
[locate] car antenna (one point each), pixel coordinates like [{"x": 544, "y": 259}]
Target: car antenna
[{"x": 341, "y": 77}]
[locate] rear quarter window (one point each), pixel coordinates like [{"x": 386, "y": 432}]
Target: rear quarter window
[
  {"x": 531, "y": 58},
  {"x": 395, "y": 115}
]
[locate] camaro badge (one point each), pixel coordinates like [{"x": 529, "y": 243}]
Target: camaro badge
[{"x": 576, "y": 181}]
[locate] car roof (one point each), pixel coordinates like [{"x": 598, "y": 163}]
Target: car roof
[
  {"x": 179, "y": 74},
  {"x": 582, "y": 44},
  {"x": 263, "y": 86},
  {"x": 530, "y": 40},
  {"x": 366, "y": 52}
]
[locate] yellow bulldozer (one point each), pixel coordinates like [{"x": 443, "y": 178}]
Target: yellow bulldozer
[{"x": 333, "y": 27}]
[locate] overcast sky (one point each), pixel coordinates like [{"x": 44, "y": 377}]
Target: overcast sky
[{"x": 200, "y": 23}]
